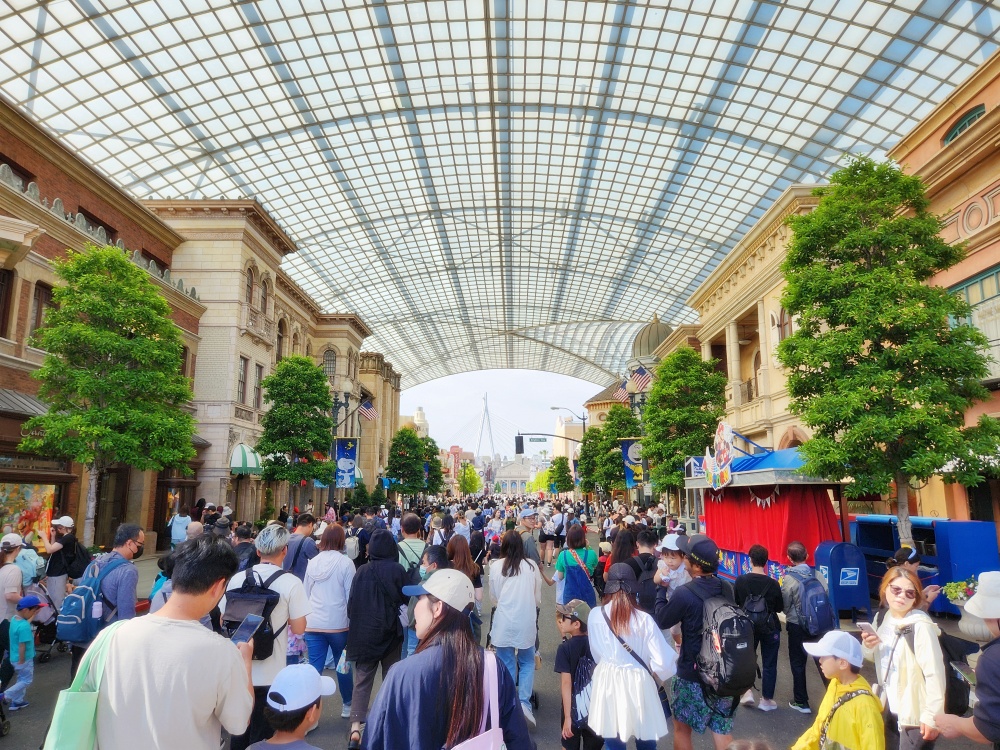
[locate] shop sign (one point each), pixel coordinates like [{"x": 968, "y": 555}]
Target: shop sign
[{"x": 13, "y": 461}]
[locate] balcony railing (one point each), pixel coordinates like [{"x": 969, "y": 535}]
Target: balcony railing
[
  {"x": 748, "y": 391},
  {"x": 243, "y": 413},
  {"x": 257, "y": 323}
]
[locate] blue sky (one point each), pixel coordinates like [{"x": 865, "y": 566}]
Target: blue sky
[{"x": 519, "y": 400}]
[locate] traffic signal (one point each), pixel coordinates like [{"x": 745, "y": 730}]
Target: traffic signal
[{"x": 518, "y": 445}]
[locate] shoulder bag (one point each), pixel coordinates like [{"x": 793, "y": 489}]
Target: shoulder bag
[
  {"x": 878, "y": 690},
  {"x": 661, "y": 691},
  {"x": 829, "y": 717},
  {"x": 492, "y": 738},
  {"x": 74, "y": 721}
]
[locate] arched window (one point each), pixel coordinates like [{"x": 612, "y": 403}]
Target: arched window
[
  {"x": 784, "y": 325},
  {"x": 964, "y": 123},
  {"x": 295, "y": 343},
  {"x": 279, "y": 346},
  {"x": 263, "y": 297},
  {"x": 249, "y": 292},
  {"x": 330, "y": 364}
]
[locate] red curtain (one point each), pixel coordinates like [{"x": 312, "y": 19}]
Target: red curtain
[{"x": 801, "y": 513}]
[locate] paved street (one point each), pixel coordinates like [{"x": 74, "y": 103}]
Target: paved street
[{"x": 779, "y": 728}]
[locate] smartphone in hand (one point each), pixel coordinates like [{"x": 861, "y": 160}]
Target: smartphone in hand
[{"x": 246, "y": 629}]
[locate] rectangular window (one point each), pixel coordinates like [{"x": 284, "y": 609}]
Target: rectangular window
[
  {"x": 6, "y": 295},
  {"x": 258, "y": 391},
  {"x": 41, "y": 305},
  {"x": 241, "y": 383},
  {"x": 93, "y": 223}
]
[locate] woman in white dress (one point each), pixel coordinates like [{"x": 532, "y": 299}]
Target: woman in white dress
[{"x": 624, "y": 701}]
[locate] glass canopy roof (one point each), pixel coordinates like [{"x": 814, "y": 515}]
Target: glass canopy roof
[{"x": 490, "y": 184}]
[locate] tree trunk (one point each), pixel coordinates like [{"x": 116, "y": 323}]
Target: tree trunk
[
  {"x": 88, "y": 521},
  {"x": 903, "y": 510}
]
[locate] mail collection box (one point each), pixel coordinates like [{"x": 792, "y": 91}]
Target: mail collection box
[
  {"x": 949, "y": 550},
  {"x": 845, "y": 570}
]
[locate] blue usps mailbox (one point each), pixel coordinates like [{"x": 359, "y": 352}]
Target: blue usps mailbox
[{"x": 843, "y": 566}]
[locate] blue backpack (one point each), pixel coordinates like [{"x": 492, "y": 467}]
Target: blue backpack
[
  {"x": 80, "y": 619},
  {"x": 817, "y": 615}
]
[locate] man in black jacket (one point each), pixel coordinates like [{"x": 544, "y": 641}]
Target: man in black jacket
[
  {"x": 760, "y": 589},
  {"x": 693, "y": 709}
]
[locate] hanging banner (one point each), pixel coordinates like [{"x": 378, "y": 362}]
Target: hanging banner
[
  {"x": 427, "y": 472},
  {"x": 718, "y": 469},
  {"x": 632, "y": 456},
  {"x": 347, "y": 460},
  {"x": 576, "y": 472}
]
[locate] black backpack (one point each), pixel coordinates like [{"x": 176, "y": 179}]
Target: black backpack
[
  {"x": 411, "y": 576},
  {"x": 78, "y": 562},
  {"x": 579, "y": 706},
  {"x": 647, "y": 586},
  {"x": 755, "y": 608},
  {"x": 727, "y": 661},
  {"x": 254, "y": 597}
]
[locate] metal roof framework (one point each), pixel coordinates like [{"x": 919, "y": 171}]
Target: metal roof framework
[{"x": 490, "y": 184}]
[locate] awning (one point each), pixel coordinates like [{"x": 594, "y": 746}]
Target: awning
[
  {"x": 245, "y": 460},
  {"x": 21, "y": 404},
  {"x": 199, "y": 442},
  {"x": 772, "y": 467}
]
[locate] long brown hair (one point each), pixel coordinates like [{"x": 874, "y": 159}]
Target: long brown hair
[
  {"x": 461, "y": 557},
  {"x": 624, "y": 548},
  {"x": 461, "y": 671},
  {"x": 622, "y": 607},
  {"x": 512, "y": 552}
]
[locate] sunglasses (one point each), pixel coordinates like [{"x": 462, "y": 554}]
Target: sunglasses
[{"x": 899, "y": 591}]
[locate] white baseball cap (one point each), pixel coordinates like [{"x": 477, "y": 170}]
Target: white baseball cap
[
  {"x": 452, "y": 587},
  {"x": 65, "y": 521},
  {"x": 838, "y": 644},
  {"x": 670, "y": 543},
  {"x": 10, "y": 541},
  {"x": 297, "y": 686}
]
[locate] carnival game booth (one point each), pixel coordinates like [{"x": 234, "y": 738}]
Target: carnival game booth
[{"x": 766, "y": 501}]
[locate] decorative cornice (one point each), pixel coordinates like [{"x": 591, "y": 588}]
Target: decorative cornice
[
  {"x": 82, "y": 173},
  {"x": 349, "y": 319},
  {"x": 249, "y": 210},
  {"x": 284, "y": 282}
]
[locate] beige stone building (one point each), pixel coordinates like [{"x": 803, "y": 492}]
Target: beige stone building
[{"x": 380, "y": 385}]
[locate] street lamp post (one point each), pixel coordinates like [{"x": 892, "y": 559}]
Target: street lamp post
[
  {"x": 582, "y": 418},
  {"x": 637, "y": 402},
  {"x": 335, "y": 410}
]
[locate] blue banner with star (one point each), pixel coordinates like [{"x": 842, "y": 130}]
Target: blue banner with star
[{"x": 347, "y": 461}]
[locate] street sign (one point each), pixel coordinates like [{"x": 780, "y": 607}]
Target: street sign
[{"x": 537, "y": 440}]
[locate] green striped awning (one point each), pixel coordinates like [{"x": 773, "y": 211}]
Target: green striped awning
[{"x": 245, "y": 460}]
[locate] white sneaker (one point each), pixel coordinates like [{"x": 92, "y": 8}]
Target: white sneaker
[
  {"x": 767, "y": 705},
  {"x": 747, "y": 699},
  {"x": 800, "y": 707},
  {"x": 346, "y": 712},
  {"x": 529, "y": 716}
]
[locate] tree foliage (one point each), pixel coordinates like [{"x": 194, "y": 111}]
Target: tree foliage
[
  {"x": 610, "y": 466},
  {"x": 377, "y": 497},
  {"x": 560, "y": 474},
  {"x": 435, "y": 474},
  {"x": 469, "y": 481},
  {"x": 587, "y": 462},
  {"x": 540, "y": 482},
  {"x": 883, "y": 366},
  {"x": 406, "y": 462},
  {"x": 685, "y": 403},
  {"x": 359, "y": 495},
  {"x": 111, "y": 374},
  {"x": 297, "y": 428}
]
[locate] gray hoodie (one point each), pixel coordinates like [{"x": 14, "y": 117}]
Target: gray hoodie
[{"x": 328, "y": 585}]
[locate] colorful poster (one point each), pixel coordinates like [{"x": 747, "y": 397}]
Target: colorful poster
[
  {"x": 632, "y": 456},
  {"x": 26, "y": 509},
  {"x": 718, "y": 469},
  {"x": 347, "y": 460}
]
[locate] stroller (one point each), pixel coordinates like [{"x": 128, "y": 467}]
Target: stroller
[{"x": 45, "y": 624}]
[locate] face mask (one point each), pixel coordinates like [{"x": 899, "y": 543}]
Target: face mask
[
  {"x": 424, "y": 573},
  {"x": 138, "y": 552}
]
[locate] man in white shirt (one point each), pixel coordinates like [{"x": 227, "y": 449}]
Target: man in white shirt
[
  {"x": 169, "y": 682},
  {"x": 290, "y": 612}
]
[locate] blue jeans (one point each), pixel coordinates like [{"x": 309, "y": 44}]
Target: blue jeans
[
  {"x": 524, "y": 664},
  {"x": 318, "y": 643},
  {"x": 613, "y": 743},
  {"x": 769, "y": 647},
  {"x": 410, "y": 642},
  {"x": 24, "y": 674}
]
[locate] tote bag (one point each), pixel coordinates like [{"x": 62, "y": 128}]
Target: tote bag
[
  {"x": 487, "y": 739},
  {"x": 74, "y": 721}
]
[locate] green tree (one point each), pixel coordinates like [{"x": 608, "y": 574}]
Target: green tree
[
  {"x": 587, "y": 462},
  {"x": 540, "y": 482},
  {"x": 435, "y": 474},
  {"x": 560, "y": 474},
  {"x": 112, "y": 373},
  {"x": 377, "y": 497},
  {"x": 883, "y": 366},
  {"x": 359, "y": 495},
  {"x": 406, "y": 462},
  {"x": 297, "y": 427},
  {"x": 685, "y": 404},
  {"x": 468, "y": 479},
  {"x": 610, "y": 467}
]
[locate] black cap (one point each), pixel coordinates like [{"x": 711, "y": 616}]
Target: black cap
[
  {"x": 700, "y": 550},
  {"x": 621, "y": 576}
]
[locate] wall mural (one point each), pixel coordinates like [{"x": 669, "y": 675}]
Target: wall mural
[{"x": 26, "y": 509}]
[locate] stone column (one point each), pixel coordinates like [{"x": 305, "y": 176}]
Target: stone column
[
  {"x": 763, "y": 375},
  {"x": 706, "y": 350},
  {"x": 733, "y": 360}
]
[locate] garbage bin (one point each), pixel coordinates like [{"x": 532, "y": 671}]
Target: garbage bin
[{"x": 843, "y": 566}]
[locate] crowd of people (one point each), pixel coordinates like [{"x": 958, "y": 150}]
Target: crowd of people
[{"x": 445, "y": 603}]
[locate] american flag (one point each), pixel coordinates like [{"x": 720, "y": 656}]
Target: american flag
[
  {"x": 641, "y": 379},
  {"x": 368, "y": 411},
  {"x": 622, "y": 393}
]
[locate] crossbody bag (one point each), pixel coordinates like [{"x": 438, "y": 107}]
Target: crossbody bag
[{"x": 829, "y": 717}]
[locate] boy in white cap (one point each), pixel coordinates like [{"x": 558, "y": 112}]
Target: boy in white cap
[
  {"x": 849, "y": 715},
  {"x": 294, "y": 705},
  {"x": 984, "y": 724}
]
